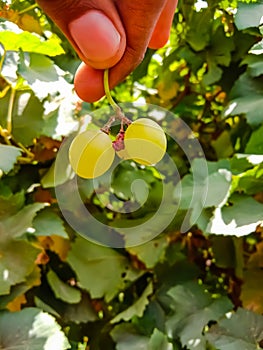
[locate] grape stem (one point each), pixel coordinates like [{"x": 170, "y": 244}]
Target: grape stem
[
  {"x": 118, "y": 112},
  {"x": 107, "y": 91}
]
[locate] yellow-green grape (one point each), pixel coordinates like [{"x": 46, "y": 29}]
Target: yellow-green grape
[
  {"x": 91, "y": 153},
  {"x": 145, "y": 142}
]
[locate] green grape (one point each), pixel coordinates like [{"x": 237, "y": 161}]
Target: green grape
[
  {"x": 91, "y": 153},
  {"x": 145, "y": 142}
]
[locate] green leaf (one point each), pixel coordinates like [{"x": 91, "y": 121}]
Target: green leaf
[
  {"x": 151, "y": 252},
  {"x": 18, "y": 224},
  {"x": 27, "y": 117},
  {"x": 30, "y": 329},
  {"x": 255, "y": 144},
  {"x": 257, "y": 49},
  {"x": 159, "y": 341},
  {"x": 210, "y": 191},
  {"x": 240, "y": 330},
  {"x": 218, "y": 54},
  {"x": 48, "y": 223},
  {"x": 9, "y": 68},
  {"x": 249, "y": 182},
  {"x": 100, "y": 270},
  {"x": 223, "y": 145},
  {"x": 10, "y": 202},
  {"x": 82, "y": 312},
  {"x": 142, "y": 69},
  {"x": 17, "y": 261},
  {"x": 63, "y": 290},
  {"x": 13, "y": 39},
  {"x": 60, "y": 170},
  {"x": 43, "y": 76},
  {"x": 255, "y": 64},
  {"x": 127, "y": 338},
  {"x": 193, "y": 314},
  {"x": 242, "y": 162},
  {"x": 124, "y": 178},
  {"x": 137, "y": 309},
  {"x": 198, "y": 35},
  {"x": 246, "y": 98},
  {"x": 8, "y": 157},
  {"x": 249, "y": 15},
  {"x": 238, "y": 219},
  {"x": 31, "y": 280},
  {"x": 45, "y": 307}
]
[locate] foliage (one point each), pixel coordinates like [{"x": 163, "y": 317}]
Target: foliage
[{"x": 199, "y": 289}]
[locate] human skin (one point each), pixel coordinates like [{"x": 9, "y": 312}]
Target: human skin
[{"x": 110, "y": 34}]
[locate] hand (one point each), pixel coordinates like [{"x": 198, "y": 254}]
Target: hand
[{"x": 110, "y": 33}]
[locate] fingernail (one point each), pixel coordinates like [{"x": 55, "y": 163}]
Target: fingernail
[{"x": 95, "y": 35}]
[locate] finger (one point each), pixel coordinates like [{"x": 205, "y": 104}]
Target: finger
[
  {"x": 89, "y": 82},
  {"x": 93, "y": 28},
  {"x": 161, "y": 32}
]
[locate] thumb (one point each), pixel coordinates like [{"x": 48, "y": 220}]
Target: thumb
[
  {"x": 96, "y": 33},
  {"x": 99, "y": 43}
]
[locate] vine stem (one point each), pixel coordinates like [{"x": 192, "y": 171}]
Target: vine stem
[{"x": 10, "y": 111}]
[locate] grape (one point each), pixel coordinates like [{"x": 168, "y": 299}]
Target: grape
[
  {"x": 145, "y": 142},
  {"x": 91, "y": 153}
]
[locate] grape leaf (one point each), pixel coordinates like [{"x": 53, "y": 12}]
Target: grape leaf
[
  {"x": 255, "y": 144},
  {"x": 249, "y": 182},
  {"x": 27, "y": 117},
  {"x": 240, "y": 330},
  {"x": 100, "y": 270},
  {"x": 18, "y": 224},
  {"x": 246, "y": 98},
  {"x": 218, "y": 54},
  {"x": 17, "y": 261},
  {"x": 33, "y": 279},
  {"x": 127, "y": 338},
  {"x": 255, "y": 64},
  {"x": 63, "y": 290},
  {"x": 257, "y": 49},
  {"x": 10, "y": 202},
  {"x": 191, "y": 316},
  {"x": 249, "y": 15},
  {"x": 150, "y": 253},
  {"x": 82, "y": 312},
  {"x": 31, "y": 329},
  {"x": 48, "y": 223},
  {"x": 9, "y": 69},
  {"x": 239, "y": 219},
  {"x": 137, "y": 309},
  {"x": 44, "y": 77},
  {"x": 13, "y": 39},
  {"x": 8, "y": 157},
  {"x": 242, "y": 162},
  {"x": 159, "y": 341},
  {"x": 210, "y": 187},
  {"x": 198, "y": 33}
]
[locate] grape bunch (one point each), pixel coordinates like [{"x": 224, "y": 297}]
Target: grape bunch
[{"x": 92, "y": 152}]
